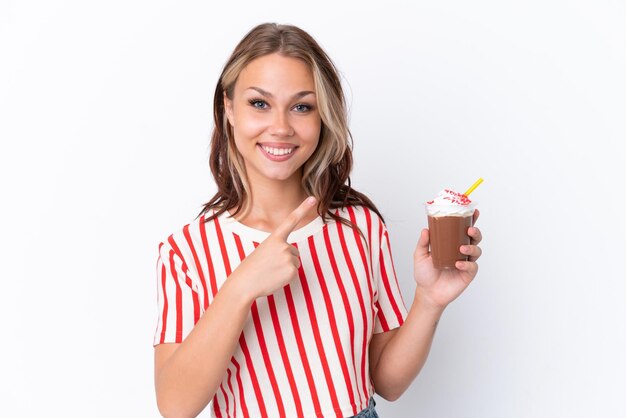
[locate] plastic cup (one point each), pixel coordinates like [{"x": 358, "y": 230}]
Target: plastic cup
[{"x": 448, "y": 231}]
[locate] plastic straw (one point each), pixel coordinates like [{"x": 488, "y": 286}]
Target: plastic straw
[{"x": 474, "y": 186}]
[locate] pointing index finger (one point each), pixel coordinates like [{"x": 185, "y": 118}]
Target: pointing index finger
[{"x": 290, "y": 223}]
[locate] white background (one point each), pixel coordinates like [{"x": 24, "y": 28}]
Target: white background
[{"x": 105, "y": 116}]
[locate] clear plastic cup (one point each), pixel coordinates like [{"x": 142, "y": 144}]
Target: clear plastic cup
[{"x": 448, "y": 231}]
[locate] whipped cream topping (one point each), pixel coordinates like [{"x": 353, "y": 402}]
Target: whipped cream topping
[{"x": 448, "y": 202}]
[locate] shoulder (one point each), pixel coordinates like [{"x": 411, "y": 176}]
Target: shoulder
[
  {"x": 184, "y": 241},
  {"x": 361, "y": 216},
  {"x": 368, "y": 223}
]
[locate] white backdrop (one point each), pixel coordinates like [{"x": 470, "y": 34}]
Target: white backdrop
[{"x": 105, "y": 115}]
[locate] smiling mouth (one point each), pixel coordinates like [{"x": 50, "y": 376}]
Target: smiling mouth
[{"x": 277, "y": 153}]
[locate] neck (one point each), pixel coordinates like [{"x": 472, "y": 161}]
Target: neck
[{"x": 272, "y": 201}]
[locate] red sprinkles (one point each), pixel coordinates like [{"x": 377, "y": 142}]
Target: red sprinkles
[{"x": 454, "y": 197}]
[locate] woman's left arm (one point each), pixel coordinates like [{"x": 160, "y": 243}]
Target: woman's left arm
[{"x": 397, "y": 356}]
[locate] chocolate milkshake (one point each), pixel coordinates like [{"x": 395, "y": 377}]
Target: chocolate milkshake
[{"x": 449, "y": 217}]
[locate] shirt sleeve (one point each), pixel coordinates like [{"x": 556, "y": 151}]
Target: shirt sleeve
[
  {"x": 177, "y": 297},
  {"x": 391, "y": 311}
]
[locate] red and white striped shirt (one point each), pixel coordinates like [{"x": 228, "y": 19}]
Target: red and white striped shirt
[{"x": 304, "y": 349}]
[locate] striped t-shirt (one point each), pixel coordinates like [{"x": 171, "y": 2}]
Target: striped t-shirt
[{"x": 304, "y": 350}]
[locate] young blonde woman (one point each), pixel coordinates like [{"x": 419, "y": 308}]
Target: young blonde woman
[{"x": 281, "y": 299}]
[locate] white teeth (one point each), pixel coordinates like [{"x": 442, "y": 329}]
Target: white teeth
[{"x": 277, "y": 151}]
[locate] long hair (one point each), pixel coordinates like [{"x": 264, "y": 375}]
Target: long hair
[{"x": 326, "y": 174}]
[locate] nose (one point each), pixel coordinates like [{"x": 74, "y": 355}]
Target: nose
[{"x": 280, "y": 125}]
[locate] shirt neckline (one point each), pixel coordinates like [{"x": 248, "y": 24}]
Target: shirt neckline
[{"x": 257, "y": 235}]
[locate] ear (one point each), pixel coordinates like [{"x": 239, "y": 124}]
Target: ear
[{"x": 228, "y": 109}]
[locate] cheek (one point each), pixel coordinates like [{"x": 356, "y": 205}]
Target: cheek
[
  {"x": 249, "y": 125},
  {"x": 310, "y": 131}
]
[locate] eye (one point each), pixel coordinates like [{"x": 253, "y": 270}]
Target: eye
[
  {"x": 302, "y": 107},
  {"x": 258, "y": 103}
]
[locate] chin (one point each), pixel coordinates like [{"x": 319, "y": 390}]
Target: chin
[{"x": 279, "y": 175}]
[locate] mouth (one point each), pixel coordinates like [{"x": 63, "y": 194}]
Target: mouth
[{"x": 277, "y": 152}]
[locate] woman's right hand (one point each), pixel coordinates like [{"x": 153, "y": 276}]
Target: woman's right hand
[
  {"x": 185, "y": 386},
  {"x": 274, "y": 263}
]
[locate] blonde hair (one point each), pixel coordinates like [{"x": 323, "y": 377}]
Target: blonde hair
[{"x": 326, "y": 175}]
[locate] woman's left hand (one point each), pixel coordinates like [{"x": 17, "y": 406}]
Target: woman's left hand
[{"x": 440, "y": 287}]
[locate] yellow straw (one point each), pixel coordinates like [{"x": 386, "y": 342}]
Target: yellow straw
[{"x": 474, "y": 186}]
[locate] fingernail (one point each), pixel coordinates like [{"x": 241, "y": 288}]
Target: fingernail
[{"x": 311, "y": 200}]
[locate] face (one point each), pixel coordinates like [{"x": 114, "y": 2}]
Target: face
[{"x": 275, "y": 118}]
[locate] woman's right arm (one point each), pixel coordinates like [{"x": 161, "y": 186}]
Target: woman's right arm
[{"x": 188, "y": 374}]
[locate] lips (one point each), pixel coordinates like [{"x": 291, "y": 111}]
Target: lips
[{"x": 277, "y": 152}]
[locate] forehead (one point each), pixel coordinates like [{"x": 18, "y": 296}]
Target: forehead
[{"x": 276, "y": 73}]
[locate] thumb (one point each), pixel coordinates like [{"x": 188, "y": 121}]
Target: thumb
[
  {"x": 294, "y": 218},
  {"x": 421, "y": 251}
]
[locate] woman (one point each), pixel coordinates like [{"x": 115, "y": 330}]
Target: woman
[{"x": 281, "y": 300}]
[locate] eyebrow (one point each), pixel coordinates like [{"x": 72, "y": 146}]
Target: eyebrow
[{"x": 270, "y": 95}]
